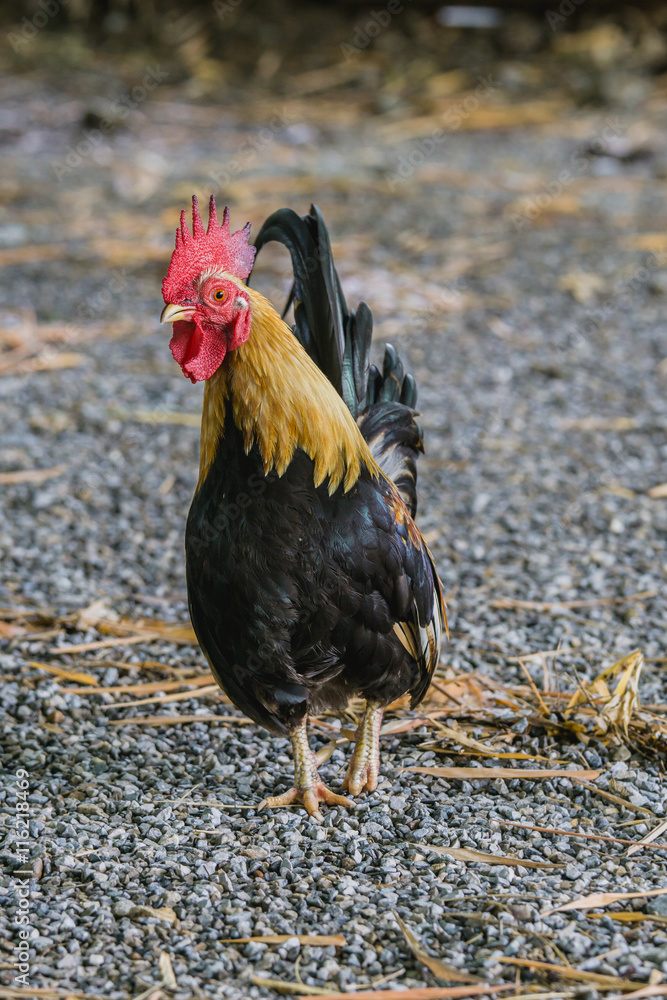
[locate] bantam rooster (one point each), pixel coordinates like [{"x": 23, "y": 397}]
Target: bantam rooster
[{"x": 308, "y": 580}]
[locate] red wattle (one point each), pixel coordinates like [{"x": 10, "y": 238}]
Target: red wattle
[{"x": 199, "y": 354}]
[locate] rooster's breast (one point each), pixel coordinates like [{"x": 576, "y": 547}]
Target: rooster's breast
[{"x": 294, "y": 593}]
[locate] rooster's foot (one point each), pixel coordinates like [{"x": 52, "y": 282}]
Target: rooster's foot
[
  {"x": 310, "y": 797},
  {"x": 365, "y": 764},
  {"x": 308, "y": 786}
]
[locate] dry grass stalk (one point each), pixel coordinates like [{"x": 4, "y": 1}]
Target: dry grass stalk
[
  {"x": 598, "y": 602},
  {"x": 559, "y": 995},
  {"x": 167, "y": 971},
  {"x": 325, "y": 752},
  {"x": 86, "y": 647},
  {"x": 538, "y": 696},
  {"x": 33, "y": 252},
  {"x": 440, "y": 969},
  {"x": 526, "y": 773},
  {"x": 459, "y": 738},
  {"x": 630, "y": 916},
  {"x": 165, "y": 699},
  {"x": 598, "y": 423},
  {"x": 578, "y": 975},
  {"x": 48, "y": 362},
  {"x": 127, "y": 632},
  {"x": 542, "y": 653},
  {"x": 69, "y": 675},
  {"x": 583, "y": 836},
  {"x": 280, "y": 986},
  {"x": 652, "y": 990},
  {"x": 648, "y": 839},
  {"x": 416, "y": 993},
  {"x": 31, "y": 475},
  {"x": 178, "y": 720},
  {"x": 619, "y": 707},
  {"x": 182, "y": 672},
  {"x": 149, "y": 687},
  {"x": 488, "y": 753},
  {"x": 157, "y": 417},
  {"x": 399, "y": 726},
  {"x": 467, "y": 854},
  {"x": 613, "y": 798},
  {"x": 178, "y": 632},
  {"x": 44, "y": 993},
  {"x": 595, "y": 899},
  {"x": 493, "y": 116}
]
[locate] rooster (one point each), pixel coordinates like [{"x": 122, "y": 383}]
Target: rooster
[{"x": 308, "y": 580}]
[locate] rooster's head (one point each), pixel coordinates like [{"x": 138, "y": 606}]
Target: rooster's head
[{"x": 206, "y": 298}]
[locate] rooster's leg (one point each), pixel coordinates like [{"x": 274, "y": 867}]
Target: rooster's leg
[
  {"x": 365, "y": 764},
  {"x": 308, "y": 786}
]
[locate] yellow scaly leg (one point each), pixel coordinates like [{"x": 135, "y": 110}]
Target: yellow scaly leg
[
  {"x": 365, "y": 764},
  {"x": 308, "y": 786}
]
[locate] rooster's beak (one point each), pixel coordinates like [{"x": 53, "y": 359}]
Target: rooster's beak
[{"x": 173, "y": 312}]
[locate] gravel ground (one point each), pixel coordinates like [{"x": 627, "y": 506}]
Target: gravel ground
[{"x": 544, "y": 402}]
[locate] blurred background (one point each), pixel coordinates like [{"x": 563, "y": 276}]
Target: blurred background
[{"x": 494, "y": 181}]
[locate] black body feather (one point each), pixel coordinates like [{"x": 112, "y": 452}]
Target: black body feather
[{"x": 294, "y": 593}]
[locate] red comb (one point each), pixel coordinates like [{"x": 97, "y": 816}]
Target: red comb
[{"x": 203, "y": 249}]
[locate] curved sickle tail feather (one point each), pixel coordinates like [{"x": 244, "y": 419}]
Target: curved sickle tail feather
[
  {"x": 339, "y": 341},
  {"x": 389, "y": 427}
]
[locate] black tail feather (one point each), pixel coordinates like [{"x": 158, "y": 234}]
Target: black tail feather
[
  {"x": 336, "y": 339},
  {"x": 389, "y": 426},
  {"x": 339, "y": 342}
]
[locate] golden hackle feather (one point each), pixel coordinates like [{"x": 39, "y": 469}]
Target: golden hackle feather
[{"x": 281, "y": 401}]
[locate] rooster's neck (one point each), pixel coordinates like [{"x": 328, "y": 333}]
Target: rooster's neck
[{"x": 280, "y": 401}]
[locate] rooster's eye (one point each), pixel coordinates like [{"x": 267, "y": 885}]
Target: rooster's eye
[{"x": 219, "y": 296}]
